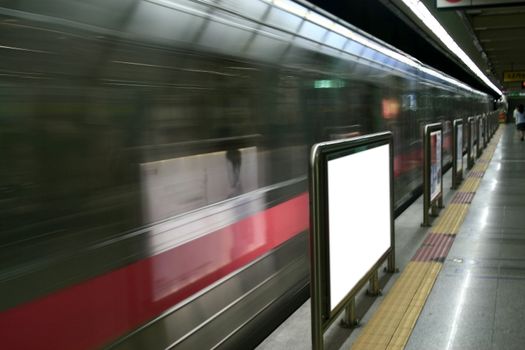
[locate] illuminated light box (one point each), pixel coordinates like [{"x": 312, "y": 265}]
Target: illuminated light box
[
  {"x": 358, "y": 217},
  {"x": 459, "y": 148},
  {"x": 432, "y": 170},
  {"x": 352, "y": 231},
  {"x": 435, "y": 164},
  {"x": 473, "y": 150},
  {"x": 457, "y": 152}
]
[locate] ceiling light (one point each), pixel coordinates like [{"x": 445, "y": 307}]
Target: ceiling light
[
  {"x": 420, "y": 10},
  {"x": 339, "y": 27}
]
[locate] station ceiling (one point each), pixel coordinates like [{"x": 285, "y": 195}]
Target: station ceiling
[
  {"x": 501, "y": 34},
  {"x": 491, "y": 33},
  {"x": 492, "y": 36}
]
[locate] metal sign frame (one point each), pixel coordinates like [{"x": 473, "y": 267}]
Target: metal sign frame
[
  {"x": 321, "y": 313},
  {"x": 479, "y": 132},
  {"x": 457, "y": 174},
  {"x": 428, "y": 202},
  {"x": 472, "y": 145},
  {"x": 484, "y": 130},
  {"x": 487, "y": 129},
  {"x": 447, "y": 126},
  {"x": 493, "y": 123},
  {"x": 489, "y": 126}
]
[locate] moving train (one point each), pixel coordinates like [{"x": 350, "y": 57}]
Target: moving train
[{"x": 153, "y": 192}]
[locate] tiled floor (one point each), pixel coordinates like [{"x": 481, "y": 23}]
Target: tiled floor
[{"x": 478, "y": 300}]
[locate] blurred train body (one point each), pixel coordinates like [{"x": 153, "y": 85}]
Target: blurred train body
[{"x": 153, "y": 192}]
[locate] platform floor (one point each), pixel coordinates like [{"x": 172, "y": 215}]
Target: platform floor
[{"x": 478, "y": 297}]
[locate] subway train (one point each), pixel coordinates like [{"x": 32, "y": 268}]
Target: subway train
[{"x": 154, "y": 189}]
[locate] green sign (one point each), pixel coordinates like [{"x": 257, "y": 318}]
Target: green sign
[
  {"x": 329, "y": 84},
  {"x": 515, "y": 94}
]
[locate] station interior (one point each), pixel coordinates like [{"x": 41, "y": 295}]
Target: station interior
[{"x": 262, "y": 174}]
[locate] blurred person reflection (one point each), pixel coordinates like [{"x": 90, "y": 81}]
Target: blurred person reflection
[
  {"x": 519, "y": 119},
  {"x": 233, "y": 155}
]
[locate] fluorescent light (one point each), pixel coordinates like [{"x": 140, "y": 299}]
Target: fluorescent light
[
  {"x": 291, "y": 7},
  {"x": 420, "y": 10},
  {"x": 319, "y": 20},
  {"x": 314, "y": 17}
]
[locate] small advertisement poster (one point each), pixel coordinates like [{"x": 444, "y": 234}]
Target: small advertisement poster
[
  {"x": 435, "y": 164},
  {"x": 459, "y": 149}
]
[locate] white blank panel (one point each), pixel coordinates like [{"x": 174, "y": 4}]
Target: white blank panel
[
  {"x": 359, "y": 217},
  {"x": 435, "y": 164}
]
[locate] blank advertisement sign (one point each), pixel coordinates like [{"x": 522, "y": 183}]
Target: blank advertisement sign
[{"x": 359, "y": 217}]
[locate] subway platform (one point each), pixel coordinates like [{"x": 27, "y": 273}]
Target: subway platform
[{"x": 461, "y": 283}]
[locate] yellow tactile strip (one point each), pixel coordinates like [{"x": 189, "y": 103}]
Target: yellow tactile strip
[
  {"x": 394, "y": 320},
  {"x": 392, "y": 324},
  {"x": 450, "y": 221},
  {"x": 471, "y": 184},
  {"x": 480, "y": 167}
]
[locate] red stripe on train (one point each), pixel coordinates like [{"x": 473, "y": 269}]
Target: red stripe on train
[{"x": 97, "y": 311}]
